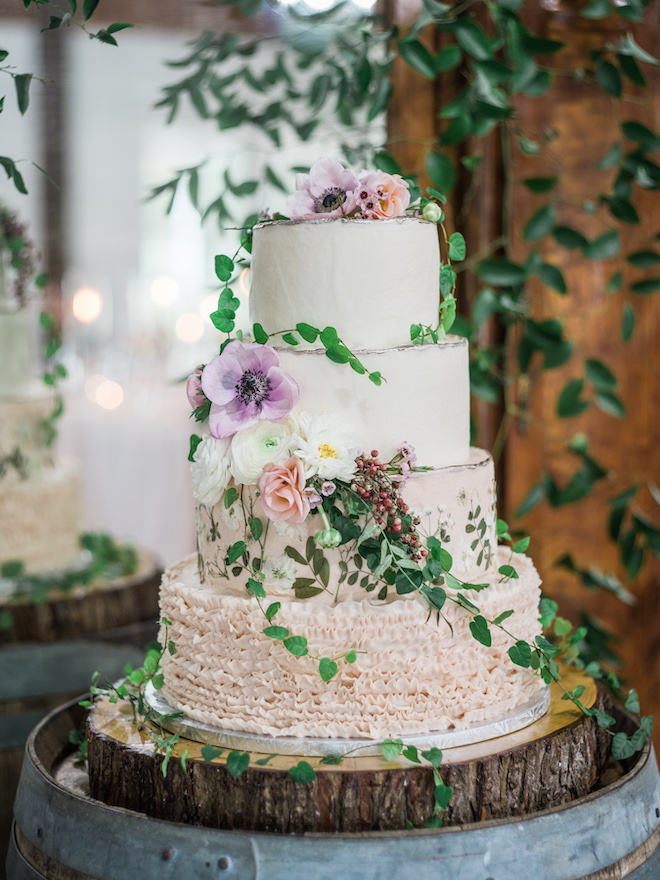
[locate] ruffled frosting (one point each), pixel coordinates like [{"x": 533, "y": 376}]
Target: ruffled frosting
[{"x": 412, "y": 674}]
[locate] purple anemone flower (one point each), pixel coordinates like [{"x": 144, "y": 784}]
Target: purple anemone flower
[
  {"x": 245, "y": 385},
  {"x": 327, "y": 191}
]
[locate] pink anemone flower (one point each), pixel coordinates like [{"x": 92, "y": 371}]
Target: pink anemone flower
[{"x": 245, "y": 385}]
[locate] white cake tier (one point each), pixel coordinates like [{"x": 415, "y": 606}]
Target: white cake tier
[
  {"x": 23, "y": 449},
  {"x": 413, "y": 673},
  {"x": 424, "y": 398},
  {"x": 40, "y": 520},
  {"x": 18, "y": 359},
  {"x": 454, "y": 504},
  {"x": 370, "y": 279}
]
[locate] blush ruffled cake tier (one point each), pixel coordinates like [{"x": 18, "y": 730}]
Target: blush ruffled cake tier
[{"x": 412, "y": 674}]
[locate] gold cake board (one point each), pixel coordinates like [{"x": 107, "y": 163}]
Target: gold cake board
[{"x": 116, "y": 722}]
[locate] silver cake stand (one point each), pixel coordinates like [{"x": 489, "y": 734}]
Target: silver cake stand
[{"x": 518, "y": 718}]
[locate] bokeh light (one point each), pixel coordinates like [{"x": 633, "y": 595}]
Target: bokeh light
[
  {"x": 190, "y": 327},
  {"x": 164, "y": 290},
  {"x": 87, "y": 305}
]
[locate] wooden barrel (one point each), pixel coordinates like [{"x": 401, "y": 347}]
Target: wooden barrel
[
  {"x": 60, "y": 833},
  {"x": 50, "y": 651}
]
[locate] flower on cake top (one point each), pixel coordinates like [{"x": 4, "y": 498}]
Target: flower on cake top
[
  {"x": 256, "y": 447},
  {"x": 210, "y": 470},
  {"x": 245, "y": 385},
  {"x": 381, "y": 195},
  {"x": 327, "y": 448},
  {"x": 330, "y": 190}
]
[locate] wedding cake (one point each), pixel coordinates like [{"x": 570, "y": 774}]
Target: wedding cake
[
  {"x": 39, "y": 496},
  {"x": 348, "y": 581}
]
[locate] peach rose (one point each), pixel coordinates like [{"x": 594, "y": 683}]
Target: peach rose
[
  {"x": 282, "y": 486},
  {"x": 389, "y": 194}
]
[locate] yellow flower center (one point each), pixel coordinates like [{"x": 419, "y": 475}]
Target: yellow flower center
[{"x": 327, "y": 451}]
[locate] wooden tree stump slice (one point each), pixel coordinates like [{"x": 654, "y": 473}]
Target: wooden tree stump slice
[
  {"x": 103, "y": 606},
  {"x": 560, "y": 757}
]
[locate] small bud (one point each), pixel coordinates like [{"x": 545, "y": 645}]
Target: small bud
[
  {"x": 327, "y": 539},
  {"x": 433, "y": 213}
]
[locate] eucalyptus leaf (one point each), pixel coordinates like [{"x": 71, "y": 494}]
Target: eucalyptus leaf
[
  {"x": 605, "y": 246},
  {"x": 630, "y": 68},
  {"x": 501, "y": 273},
  {"x": 552, "y": 277},
  {"x": 569, "y": 238},
  {"x": 608, "y": 78},
  {"x": 645, "y": 259},
  {"x": 627, "y": 322},
  {"x": 600, "y": 375},
  {"x": 643, "y": 288},
  {"x": 417, "y": 56},
  {"x": 610, "y": 404},
  {"x": 597, "y": 9},
  {"x": 472, "y": 39},
  {"x": 22, "y": 84},
  {"x": 540, "y": 184},
  {"x": 448, "y": 58},
  {"x": 441, "y": 172}
]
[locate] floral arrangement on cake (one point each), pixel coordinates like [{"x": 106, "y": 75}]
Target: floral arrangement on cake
[
  {"x": 329, "y": 190},
  {"x": 304, "y": 474}
]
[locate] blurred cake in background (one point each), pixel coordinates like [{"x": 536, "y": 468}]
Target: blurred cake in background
[{"x": 39, "y": 495}]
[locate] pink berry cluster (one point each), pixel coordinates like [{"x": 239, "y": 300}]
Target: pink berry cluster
[{"x": 374, "y": 485}]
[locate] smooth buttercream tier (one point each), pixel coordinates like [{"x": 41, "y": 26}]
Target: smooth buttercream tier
[
  {"x": 40, "y": 520},
  {"x": 370, "y": 279},
  {"x": 454, "y": 504},
  {"x": 412, "y": 674},
  {"x": 18, "y": 362},
  {"x": 424, "y": 397},
  {"x": 24, "y": 452}
]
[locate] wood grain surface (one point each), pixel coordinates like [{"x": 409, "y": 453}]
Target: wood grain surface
[{"x": 558, "y": 758}]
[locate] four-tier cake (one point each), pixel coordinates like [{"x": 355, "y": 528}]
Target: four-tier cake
[{"x": 348, "y": 581}]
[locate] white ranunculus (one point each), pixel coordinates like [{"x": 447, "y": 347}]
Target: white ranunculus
[
  {"x": 279, "y": 573},
  {"x": 210, "y": 470},
  {"x": 326, "y": 446},
  {"x": 253, "y": 449}
]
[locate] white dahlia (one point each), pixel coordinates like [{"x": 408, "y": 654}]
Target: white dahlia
[
  {"x": 210, "y": 470},
  {"x": 326, "y": 446},
  {"x": 253, "y": 449}
]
